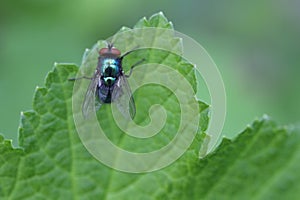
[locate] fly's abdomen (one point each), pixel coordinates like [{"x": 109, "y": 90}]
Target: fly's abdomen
[{"x": 104, "y": 93}]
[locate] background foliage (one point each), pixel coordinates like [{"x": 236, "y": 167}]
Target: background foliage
[{"x": 255, "y": 45}]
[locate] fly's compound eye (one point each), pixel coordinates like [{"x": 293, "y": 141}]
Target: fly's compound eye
[{"x": 113, "y": 51}]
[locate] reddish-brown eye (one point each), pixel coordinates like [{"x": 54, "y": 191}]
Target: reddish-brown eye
[
  {"x": 113, "y": 51},
  {"x": 103, "y": 51}
]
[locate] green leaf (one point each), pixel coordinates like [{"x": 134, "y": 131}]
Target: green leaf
[
  {"x": 261, "y": 163},
  {"x": 52, "y": 163}
]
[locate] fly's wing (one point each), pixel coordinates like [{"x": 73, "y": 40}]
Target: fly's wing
[
  {"x": 123, "y": 98},
  {"x": 89, "y": 100}
]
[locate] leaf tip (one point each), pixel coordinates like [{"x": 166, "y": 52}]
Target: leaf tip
[
  {"x": 124, "y": 28},
  {"x": 266, "y": 117},
  {"x": 204, "y": 147},
  {"x": 7, "y": 143},
  {"x": 141, "y": 23},
  {"x": 36, "y": 88},
  {"x": 172, "y": 27},
  {"x": 161, "y": 13}
]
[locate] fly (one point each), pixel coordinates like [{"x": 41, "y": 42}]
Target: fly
[{"x": 109, "y": 83}]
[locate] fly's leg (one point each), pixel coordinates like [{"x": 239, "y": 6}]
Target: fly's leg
[
  {"x": 131, "y": 68},
  {"x": 128, "y": 52},
  {"x": 82, "y": 77}
]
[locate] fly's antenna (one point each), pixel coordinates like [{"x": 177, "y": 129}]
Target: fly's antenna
[{"x": 110, "y": 45}]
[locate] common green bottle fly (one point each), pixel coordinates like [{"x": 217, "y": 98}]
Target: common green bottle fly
[{"x": 109, "y": 83}]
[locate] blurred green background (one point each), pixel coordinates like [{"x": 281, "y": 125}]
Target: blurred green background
[{"x": 255, "y": 44}]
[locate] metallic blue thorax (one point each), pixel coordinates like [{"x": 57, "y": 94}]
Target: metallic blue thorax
[{"x": 110, "y": 70}]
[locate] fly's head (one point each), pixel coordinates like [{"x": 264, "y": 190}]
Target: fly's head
[{"x": 110, "y": 51}]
